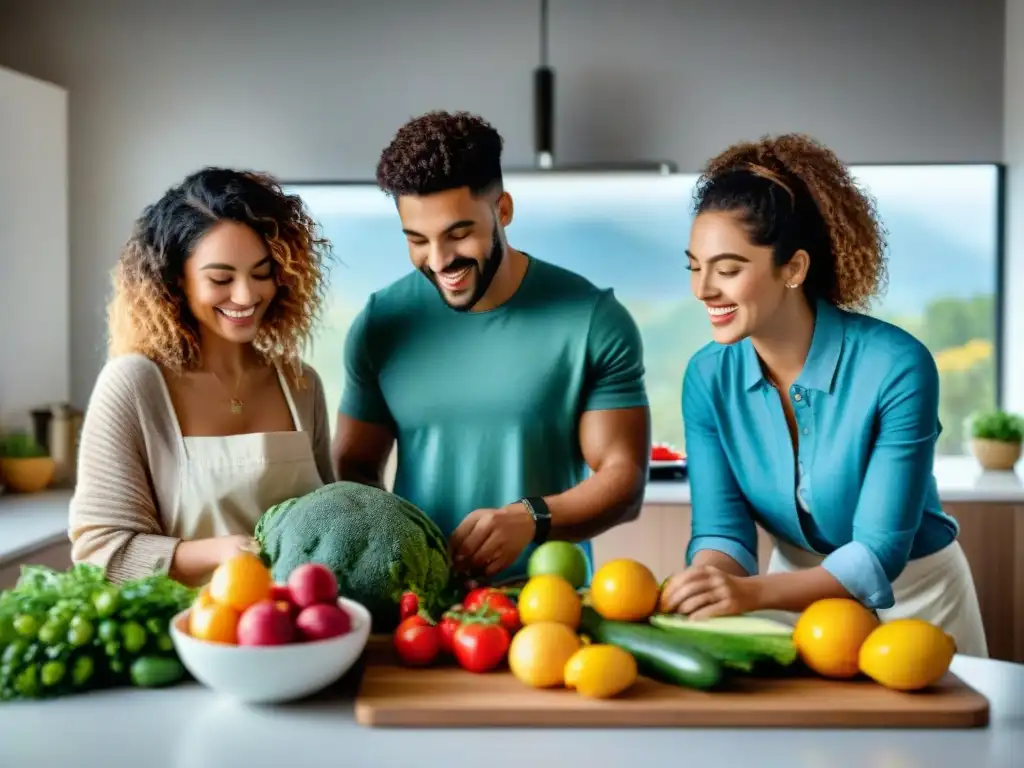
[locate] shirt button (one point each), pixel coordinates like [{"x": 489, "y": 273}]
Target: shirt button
[
  {"x": 798, "y": 397},
  {"x": 807, "y": 431}
]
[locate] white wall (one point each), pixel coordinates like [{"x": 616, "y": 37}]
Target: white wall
[
  {"x": 313, "y": 90},
  {"x": 34, "y": 296},
  {"x": 1013, "y": 341}
]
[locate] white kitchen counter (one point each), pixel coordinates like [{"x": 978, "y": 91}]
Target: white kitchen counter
[
  {"x": 31, "y": 522},
  {"x": 191, "y": 727}
]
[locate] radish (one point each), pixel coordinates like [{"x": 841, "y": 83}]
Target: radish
[
  {"x": 313, "y": 583},
  {"x": 322, "y": 621},
  {"x": 266, "y": 623}
]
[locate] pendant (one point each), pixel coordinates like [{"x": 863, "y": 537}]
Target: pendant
[{"x": 236, "y": 406}]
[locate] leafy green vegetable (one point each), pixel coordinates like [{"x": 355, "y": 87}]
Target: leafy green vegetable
[
  {"x": 739, "y": 643},
  {"x": 67, "y": 631},
  {"x": 20, "y": 445},
  {"x": 377, "y": 544},
  {"x": 998, "y": 425}
]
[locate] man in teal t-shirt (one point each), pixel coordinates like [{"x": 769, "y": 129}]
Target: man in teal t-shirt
[{"x": 503, "y": 378}]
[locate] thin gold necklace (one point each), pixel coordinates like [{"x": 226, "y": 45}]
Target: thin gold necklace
[{"x": 236, "y": 402}]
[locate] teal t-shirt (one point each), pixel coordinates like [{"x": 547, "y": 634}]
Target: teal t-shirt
[{"x": 486, "y": 405}]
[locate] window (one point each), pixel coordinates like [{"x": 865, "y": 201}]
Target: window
[{"x": 628, "y": 231}]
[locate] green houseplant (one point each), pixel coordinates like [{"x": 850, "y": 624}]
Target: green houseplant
[
  {"x": 25, "y": 466},
  {"x": 996, "y": 438}
]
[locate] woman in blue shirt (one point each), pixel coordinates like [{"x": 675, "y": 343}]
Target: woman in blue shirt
[{"x": 804, "y": 416}]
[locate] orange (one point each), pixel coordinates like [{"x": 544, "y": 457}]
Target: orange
[
  {"x": 241, "y": 581},
  {"x": 214, "y": 623},
  {"x": 829, "y": 633},
  {"x": 624, "y": 590},
  {"x": 548, "y": 597},
  {"x": 203, "y": 598}
]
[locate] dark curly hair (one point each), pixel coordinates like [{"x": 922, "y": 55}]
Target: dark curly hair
[
  {"x": 439, "y": 151},
  {"x": 149, "y": 314},
  {"x": 794, "y": 193}
]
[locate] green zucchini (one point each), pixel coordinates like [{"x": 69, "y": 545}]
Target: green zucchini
[{"x": 659, "y": 654}]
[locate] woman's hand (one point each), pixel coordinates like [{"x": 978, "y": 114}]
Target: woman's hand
[
  {"x": 195, "y": 560},
  {"x": 704, "y": 591},
  {"x": 232, "y": 545}
]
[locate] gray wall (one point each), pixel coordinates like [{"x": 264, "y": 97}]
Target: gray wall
[{"x": 313, "y": 90}]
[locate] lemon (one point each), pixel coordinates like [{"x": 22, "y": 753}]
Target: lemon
[
  {"x": 549, "y": 598},
  {"x": 539, "y": 652},
  {"x": 600, "y": 671},
  {"x": 829, "y": 633},
  {"x": 906, "y": 654},
  {"x": 624, "y": 590}
]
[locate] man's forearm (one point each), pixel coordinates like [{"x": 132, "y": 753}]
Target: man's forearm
[{"x": 610, "y": 496}]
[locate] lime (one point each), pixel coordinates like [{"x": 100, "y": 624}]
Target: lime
[{"x": 559, "y": 558}]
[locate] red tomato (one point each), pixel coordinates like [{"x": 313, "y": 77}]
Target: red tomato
[
  {"x": 417, "y": 641},
  {"x": 506, "y": 609},
  {"x": 408, "y": 605},
  {"x": 448, "y": 626},
  {"x": 476, "y": 597},
  {"x": 480, "y": 647}
]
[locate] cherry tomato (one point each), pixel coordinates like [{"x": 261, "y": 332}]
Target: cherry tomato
[
  {"x": 448, "y": 626},
  {"x": 408, "y": 605},
  {"x": 417, "y": 641},
  {"x": 480, "y": 647}
]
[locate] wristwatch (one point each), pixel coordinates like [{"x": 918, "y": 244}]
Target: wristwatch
[{"x": 541, "y": 515}]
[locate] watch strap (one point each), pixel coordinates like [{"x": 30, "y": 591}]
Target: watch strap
[{"x": 541, "y": 515}]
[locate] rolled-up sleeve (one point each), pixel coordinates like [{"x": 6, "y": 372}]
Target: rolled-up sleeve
[
  {"x": 899, "y": 473},
  {"x": 721, "y": 518}
]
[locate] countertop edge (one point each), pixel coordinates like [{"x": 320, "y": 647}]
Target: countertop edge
[{"x": 30, "y": 522}]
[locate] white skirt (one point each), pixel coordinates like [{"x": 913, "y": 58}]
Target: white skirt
[{"x": 938, "y": 588}]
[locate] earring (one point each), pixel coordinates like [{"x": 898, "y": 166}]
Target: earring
[{"x": 792, "y": 285}]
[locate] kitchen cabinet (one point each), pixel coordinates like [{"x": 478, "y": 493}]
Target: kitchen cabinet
[{"x": 991, "y": 534}]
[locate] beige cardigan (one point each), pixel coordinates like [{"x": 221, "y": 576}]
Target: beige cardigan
[{"x": 128, "y": 466}]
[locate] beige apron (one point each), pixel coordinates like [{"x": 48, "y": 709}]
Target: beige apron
[
  {"x": 227, "y": 483},
  {"x": 938, "y": 588}
]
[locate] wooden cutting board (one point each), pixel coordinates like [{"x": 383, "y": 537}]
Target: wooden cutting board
[{"x": 445, "y": 696}]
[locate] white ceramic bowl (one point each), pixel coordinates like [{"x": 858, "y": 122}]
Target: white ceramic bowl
[{"x": 276, "y": 673}]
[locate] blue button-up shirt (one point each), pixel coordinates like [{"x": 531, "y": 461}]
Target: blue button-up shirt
[{"x": 866, "y": 405}]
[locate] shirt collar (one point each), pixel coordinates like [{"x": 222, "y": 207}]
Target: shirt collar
[{"x": 819, "y": 370}]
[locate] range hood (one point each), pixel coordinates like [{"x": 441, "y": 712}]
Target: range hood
[{"x": 544, "y": 122}]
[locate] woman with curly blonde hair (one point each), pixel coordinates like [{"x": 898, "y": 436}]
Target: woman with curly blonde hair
[
  {"x": 204, "y": 414},
  {"x": 805, "y": 416}
]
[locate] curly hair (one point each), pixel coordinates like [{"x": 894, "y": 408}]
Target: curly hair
[
  {"x": 148, "y": 312},
  {"x": 792, "y": 192},
  {"x": 439, "y": 151}
]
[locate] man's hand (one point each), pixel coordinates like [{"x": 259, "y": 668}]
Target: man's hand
[
  {"x": 704, "y": 591},
  {"x": 490, "y": 540}
]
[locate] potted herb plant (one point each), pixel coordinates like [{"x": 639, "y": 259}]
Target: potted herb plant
[
  {"x": 996, "y": 438},
  {"x": 25, "y": 466}
]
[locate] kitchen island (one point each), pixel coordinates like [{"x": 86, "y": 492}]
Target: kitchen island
[
  {"x": 989, "y": 507},
  {"x": 191, "y": 727}
]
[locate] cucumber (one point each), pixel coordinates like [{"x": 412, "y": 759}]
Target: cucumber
[
  {"x": 659, "y": 654},
  {"x": 740, "y": 643},
  {"x": 156, "y": 671}
]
